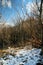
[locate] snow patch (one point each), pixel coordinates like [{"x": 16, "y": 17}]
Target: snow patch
[{"x": 22, "y": 57}]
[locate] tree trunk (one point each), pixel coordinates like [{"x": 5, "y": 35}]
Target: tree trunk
[{"x": 40, "y": 21}]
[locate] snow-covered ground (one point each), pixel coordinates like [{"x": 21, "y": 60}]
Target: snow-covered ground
[{"x": 22, "y": 57}]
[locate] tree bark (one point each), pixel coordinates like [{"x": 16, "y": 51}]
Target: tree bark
[{"x": 40, "y": 21}]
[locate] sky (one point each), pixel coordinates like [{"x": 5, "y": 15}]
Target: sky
[{"x": 11, "y": 8}]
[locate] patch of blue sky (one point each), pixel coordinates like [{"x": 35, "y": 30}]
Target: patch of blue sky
[{"x": 10, "y": 10}]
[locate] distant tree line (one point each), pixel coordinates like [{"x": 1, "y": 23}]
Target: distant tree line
[{"x": 20, "y": 33}]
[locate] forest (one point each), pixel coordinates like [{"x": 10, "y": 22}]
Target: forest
[
  {"x": 25, "y": 30},
  {"x": 21, "y": 32}
]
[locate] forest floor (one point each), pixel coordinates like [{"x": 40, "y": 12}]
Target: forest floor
[
  {"x": 21, "y": 56},
  {"x": 12, "y": 50}
]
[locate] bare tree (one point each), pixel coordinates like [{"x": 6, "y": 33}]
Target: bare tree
[{"x": 37, "y": 10}]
